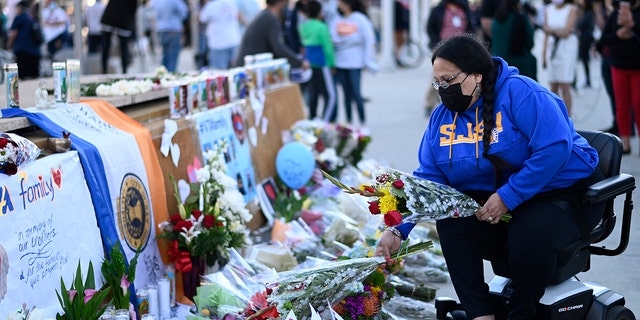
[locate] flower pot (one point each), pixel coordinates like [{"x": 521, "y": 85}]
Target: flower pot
[{"x": 191, "y": 279}]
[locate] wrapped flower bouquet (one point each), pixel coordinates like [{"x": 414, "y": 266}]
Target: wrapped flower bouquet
[{"x": 402, "y": 197}]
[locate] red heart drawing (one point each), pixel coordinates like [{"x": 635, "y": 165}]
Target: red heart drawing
[
  {"x": 57, "y": 176},
  {"x": 192, "y": 168}
]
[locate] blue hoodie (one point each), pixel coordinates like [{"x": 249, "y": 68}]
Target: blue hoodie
[{"x": 533, "y": 134}]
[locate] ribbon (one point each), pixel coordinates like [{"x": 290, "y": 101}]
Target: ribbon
[{"x": 181, "y": 259}]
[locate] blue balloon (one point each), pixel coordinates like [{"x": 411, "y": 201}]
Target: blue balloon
[{"x": 295, "y": 164}]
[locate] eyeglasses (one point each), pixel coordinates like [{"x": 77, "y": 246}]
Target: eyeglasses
[{"x": 444, "y": 84}]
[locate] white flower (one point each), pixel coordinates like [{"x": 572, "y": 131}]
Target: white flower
[
  {"x": 225, "y": 182},
  {"x": 330, "y": 157},
  {"x": 190, "y": 234},
  {"x": 203, "y": 174},
  {"x": 232, "y": 202},
  {"x": 165, "y": 226}
]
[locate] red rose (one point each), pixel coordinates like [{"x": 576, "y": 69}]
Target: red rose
[
  {"x": 209, "y": 222},
  {"x": 398, "y": 184},
  {"x": 187, "y": 224},
  {"x": 3, "y": 142},
  {"x": 175, "y": 218},
  {"x": 320, "y": 147},
  {"x": 10, "y": 169},
  {"x": 393, "y": 218},
  {"x": 196, "y": 213},
  {"x": 374, "y": 207},
  {"x": 369, "y": 189}
]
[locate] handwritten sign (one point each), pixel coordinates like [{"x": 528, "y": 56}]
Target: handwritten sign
[{"x": 52, "y": 226}]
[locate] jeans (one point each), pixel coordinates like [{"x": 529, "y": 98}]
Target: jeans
[
  {"x": 220, "y": 59},
  {"x": 349, "y": 79},
  {"x": 171, "y": 45}
]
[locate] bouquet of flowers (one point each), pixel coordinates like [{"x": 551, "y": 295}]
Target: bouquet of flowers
[
  {"x": 15, "y": 151},
  {"x": 401, "y": 197},
  {"x": 366, "y": 304},
  {"x": 334, "y": 146},
  {"x": 119, "y": 276},
  {"x": 297, "y": 289},
  {"x": 212, "y": 219},
  {"x": 82, "y": 301}
]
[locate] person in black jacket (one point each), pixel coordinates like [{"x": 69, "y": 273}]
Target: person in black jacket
[
  {"x": 119, "y": 18},
  {"x": 622, "y": 34},
  {"x": 25, "y": 49}
]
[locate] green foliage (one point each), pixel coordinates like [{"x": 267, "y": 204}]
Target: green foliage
[
  {"x": 288, "y": 203},
  {"x": 74, "y": 307},
  {"x": 117, "y": 274}
]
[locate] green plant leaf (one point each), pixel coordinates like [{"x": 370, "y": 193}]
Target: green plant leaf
[{"x": 90, "y": 282}]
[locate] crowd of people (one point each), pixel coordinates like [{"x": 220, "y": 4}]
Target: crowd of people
[{"x": 230, "y": 29}]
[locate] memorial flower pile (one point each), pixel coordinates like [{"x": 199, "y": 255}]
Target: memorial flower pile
[
  {"x": 334, "y": 146},
  {"x": 401, "y": 197},
  {"x": 297, "y": 289},
  {"x": 211, "y": 220}
]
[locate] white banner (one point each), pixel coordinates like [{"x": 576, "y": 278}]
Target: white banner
[
  {"x": 49, "y": 225},
  {"x": 127, "y": 181}
]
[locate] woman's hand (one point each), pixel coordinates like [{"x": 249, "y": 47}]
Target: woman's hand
[
  {"x": 493, "y": 209},
  {"x": 389, "y": 242},
  {"x": 624, "y": 33}
]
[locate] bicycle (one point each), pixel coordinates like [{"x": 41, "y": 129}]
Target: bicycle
[{"x": 411, "y": 54}]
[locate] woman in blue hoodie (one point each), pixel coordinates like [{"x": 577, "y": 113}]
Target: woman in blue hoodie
[{"x": 508, "y": 142}]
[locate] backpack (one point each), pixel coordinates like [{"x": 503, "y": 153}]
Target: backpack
[{"x": 36, "y": 33}]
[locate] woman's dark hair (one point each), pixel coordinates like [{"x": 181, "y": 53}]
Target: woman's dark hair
[
  {"x": 273, "y": 2},
  {"x": 587, "y": 5},
  {"x": 471, "y": 56},
  {"x": 356, "y": 5},
  {"x": 313, "y": 9}
]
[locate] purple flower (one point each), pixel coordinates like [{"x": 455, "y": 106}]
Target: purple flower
[
  {"x": 124, "y": 284},
  {"x": 88, "y": 294},
  {"x": 72, "y": 294}
]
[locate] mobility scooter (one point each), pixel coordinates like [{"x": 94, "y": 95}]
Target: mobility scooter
[{"x": 567, "y": 298}]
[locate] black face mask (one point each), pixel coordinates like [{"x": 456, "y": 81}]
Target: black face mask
[{"x": 453, "y": 98}]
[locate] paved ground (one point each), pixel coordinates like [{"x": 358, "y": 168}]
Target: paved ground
[{"x": 396, "y": 118}]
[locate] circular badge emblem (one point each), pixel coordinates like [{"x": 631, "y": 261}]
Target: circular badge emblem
[{"x": 134, "y": 216}]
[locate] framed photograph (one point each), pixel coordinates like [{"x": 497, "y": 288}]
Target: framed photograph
[{"x": 267, "y": 193}]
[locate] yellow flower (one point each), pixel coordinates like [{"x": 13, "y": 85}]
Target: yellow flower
[{"x": 388, "y": 202}]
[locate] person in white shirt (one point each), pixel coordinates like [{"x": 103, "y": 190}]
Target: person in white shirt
[
  {"x": 92, "y": 16},
  {"x": 354, "y": 45},
  {"x": 248, "y": 9},
  {"x": 222, "y": 18},
  {"x": 55, "y": 27}
]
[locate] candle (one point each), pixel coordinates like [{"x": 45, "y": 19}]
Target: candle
[
  {"x": 164, "y": 301},
  {"x": 201, "y": 206},
  {"x": 153, "y": 300}
]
